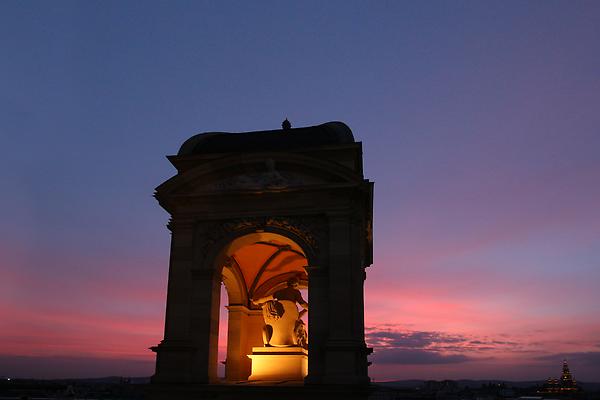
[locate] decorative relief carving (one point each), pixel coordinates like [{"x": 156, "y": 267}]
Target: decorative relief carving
[
  {"x": 270, "y": 179},
  {"x": 312, "y": 230},
  {"x": 305, "y": 228},
  {"x": 256, "y": 177}
]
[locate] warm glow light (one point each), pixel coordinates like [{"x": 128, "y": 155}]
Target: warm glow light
[{"x": 279, "y": 363}]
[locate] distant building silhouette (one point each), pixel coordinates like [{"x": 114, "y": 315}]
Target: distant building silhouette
[{"x": 565, "y": 384}]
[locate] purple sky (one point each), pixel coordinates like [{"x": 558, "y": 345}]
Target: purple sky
[{"x": 480, "y": 123}]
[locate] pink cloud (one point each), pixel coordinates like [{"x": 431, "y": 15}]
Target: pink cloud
[{"x": 404, "y": 353}]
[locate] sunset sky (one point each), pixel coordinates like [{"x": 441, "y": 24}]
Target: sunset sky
[{"x": 480, "y": 123}]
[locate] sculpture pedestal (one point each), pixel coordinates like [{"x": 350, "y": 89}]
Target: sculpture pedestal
[{"x": 278, "y": 364}]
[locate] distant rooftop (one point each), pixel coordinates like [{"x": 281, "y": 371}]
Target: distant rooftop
[{"x": 330, "y": 133}]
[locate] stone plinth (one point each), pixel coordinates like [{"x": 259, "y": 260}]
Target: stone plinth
[{"x": 278, "y": 363}]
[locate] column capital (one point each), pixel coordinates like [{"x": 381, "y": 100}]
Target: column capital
[
  {"x": 180, "y": 223},
  {"x": 242, "y": 308}
]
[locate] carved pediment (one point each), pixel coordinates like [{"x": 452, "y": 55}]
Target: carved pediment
[
  {"x": 265, "y": 175},
  {"x": 261, "y": 181}
]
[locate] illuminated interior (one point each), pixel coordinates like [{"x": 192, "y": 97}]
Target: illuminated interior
[
  {"x": 260, "y": 263},
  {"x": 254, "y": 266}
]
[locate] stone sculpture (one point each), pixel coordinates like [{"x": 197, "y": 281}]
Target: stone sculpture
[{"x": 283, "y": 324}]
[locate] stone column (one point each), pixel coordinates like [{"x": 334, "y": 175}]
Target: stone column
[{"x": 244, "y": 331}]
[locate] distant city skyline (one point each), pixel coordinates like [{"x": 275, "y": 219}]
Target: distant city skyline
[{"x": 479, "y": 123}]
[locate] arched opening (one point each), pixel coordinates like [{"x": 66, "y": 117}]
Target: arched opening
[{"x": 255, "y": 266}]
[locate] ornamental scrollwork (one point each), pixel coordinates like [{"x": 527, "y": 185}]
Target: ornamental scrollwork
[{"x": 310, "y": 229}]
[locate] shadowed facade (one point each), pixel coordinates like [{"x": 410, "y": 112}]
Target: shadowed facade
[{"x": 252, "y": 210}]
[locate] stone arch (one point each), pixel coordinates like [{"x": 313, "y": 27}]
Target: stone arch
[
  {"x": 245, "y": 320},
  {"x": 241, "y": 232}
]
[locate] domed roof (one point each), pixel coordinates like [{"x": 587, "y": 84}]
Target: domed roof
[{"x": 330, "y": 133}]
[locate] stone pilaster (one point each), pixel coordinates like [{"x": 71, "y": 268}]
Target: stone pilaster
[
  {"x": 318, "y": 322},
  {"x": 345, "y": 360},
  {"x": 204, "y": 325},
  {"x": 176, "y": 351}
]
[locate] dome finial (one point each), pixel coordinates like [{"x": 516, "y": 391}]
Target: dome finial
[{"x": 286, "y": 125}]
